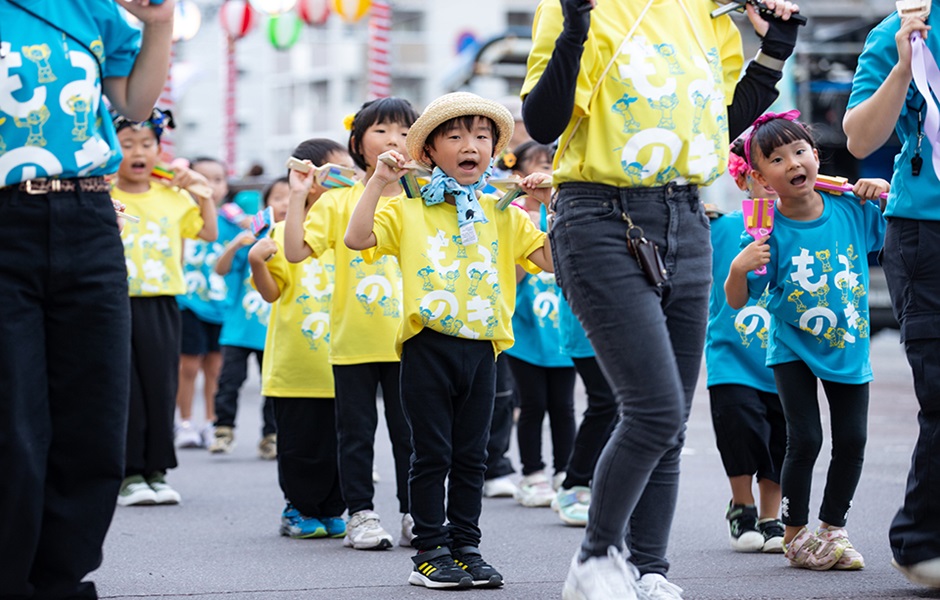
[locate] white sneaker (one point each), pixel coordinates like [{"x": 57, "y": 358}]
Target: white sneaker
[
  {"x": 407, "y": 530},
  {"x": 375, "y": 475},
  {"x": 656, "y": 587},
  {"x": 601, "y": 578},
  {"x": 162, "y": 491},
  {"x": 363, "y": 532},
  {"x": 558, "y": 479},
  {"x": 187, "y": 436},
  {"x": 535, "y": 490},
  {"x": 135, "y": 492},
  {"x": 499, "y": 487},
  {"x": 206, "y": 435},
  {"x": 926, "y": 573},
  {"x": 573, "y": 505}
]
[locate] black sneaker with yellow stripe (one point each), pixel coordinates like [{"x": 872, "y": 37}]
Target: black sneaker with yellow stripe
[
  {"x": 470, "y": 560},
  {"x": 436, "y": 569}
]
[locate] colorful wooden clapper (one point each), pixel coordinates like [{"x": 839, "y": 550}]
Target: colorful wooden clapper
[{"x": 759, "y": 220}]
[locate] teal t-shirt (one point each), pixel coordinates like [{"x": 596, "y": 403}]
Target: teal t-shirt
[
  {"x": 574, "y": 342},
  {"x": 53, "y": 121},
  {"x": 535, "y": 322},
  {"x": 207, "y": 291},
  {"x": 736, "y": 340},
  {"x": 818, "y": 282},
  {"x": 910, "y": 197},
  {"x": 246, "y": 312}
]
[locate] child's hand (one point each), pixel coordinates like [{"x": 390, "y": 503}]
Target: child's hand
[
  {"x": 262, "y": 251},
  {"x": 119, "y": 207},
  {"x": 184, "y": 178},
  {"x": 870, "y": 189},
  {"x": 149, "y": 12},
  {"x": 753, "y": 257},
  {"x": 530, "y": 185},
  {"x": 245, "y": 238},
  {"x": 302, "y": 183},
  {"x": 390, "y": 166}
]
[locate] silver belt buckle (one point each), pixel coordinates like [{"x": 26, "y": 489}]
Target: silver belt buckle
[{"x": 31, "y": 191}]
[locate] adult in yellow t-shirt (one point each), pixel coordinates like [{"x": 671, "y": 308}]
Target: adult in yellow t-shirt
[{"x": 642, "y": 96}]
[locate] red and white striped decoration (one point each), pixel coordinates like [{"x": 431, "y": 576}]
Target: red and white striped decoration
[
  {"x": 313, "y": 12},
  {"x": 165, "y": 102},
  {"x": 238, "y": 18},
  {"x": 380, "y": 25},
  {"x": 231, "y": 116}
]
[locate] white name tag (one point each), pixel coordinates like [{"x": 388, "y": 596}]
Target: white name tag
[{"x": 468, "y": 235}]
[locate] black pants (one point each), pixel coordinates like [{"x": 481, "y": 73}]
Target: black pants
[
  {"x": 598, "y": 421},
  {"x": 307, "y": 470},
  {"x": 848, "y": 410},
  {"x": 750, "y": 430},
  {"x": 155, "y": 359},
  {"x": 541, "y": 390},
  {"x": 447, "y": 388},
  {"x": 911, "y": 253},
  {"x": 497, "y": 463},
  {"x": 356, "y": 421},
  {"x": 231, "y": 378},
  {"x": 64, "y": 365}
]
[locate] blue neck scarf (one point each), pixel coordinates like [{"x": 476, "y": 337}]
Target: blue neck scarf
[{"x": 468, "y": 207}]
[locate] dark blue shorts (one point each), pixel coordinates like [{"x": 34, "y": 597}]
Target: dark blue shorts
[{"x": 199, "y": 337}]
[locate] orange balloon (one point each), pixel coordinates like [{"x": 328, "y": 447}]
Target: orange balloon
[{"x": 351, "y": 10}]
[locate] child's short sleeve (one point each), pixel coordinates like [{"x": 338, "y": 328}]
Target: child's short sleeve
[
  {"x": 527, "y": 239},
  {"x": 732, "y": 60},
  {"x": 878, "y": 57},
  {"x": 387, "y": 230},
  {"x": 191, "y": 223},
  {"x": 279, "y": 268},
  {"x": 121, "y": 41},
  {"x": 875, "y": 224},
  {"x": 320, "y": 225}
]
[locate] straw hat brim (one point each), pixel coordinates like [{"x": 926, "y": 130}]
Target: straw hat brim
[{"x": 451, "y": 106}]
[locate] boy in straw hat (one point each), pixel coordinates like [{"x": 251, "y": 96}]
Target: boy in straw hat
[{"x": 458, "y": 254}]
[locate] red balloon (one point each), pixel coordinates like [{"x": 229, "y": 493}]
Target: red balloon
[
  {"x": 238, "y": 18},
  {"x": 313, "y": 12}
]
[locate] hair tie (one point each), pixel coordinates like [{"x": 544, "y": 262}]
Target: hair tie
[
  {"x": 737, "y": 166},
  {"x": 790, "y": 115},
  {"x": 348, "y": 121}
]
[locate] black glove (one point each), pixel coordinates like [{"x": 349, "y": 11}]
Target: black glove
[
  {"x": 780, "y": 38},
  {"x": 577, "y": 20}
]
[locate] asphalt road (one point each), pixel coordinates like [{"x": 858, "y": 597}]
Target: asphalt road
[{"x": 223, "y": 542}]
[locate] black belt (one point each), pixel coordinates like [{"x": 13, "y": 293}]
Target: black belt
[{"x": 48, "y": 185}]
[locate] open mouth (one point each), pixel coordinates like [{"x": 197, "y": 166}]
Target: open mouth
[
  {"x": 138, "y": 165},
  {"x": 468, "y": 165},
  {"x": 798, "y": 180}
]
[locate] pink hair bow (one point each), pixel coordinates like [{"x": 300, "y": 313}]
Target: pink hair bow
[
  {"x": 737, "y": 166},
  {"x": 790, "y": 115}
]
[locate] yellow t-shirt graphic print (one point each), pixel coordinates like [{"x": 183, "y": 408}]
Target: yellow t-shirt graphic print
[{"x": 660, "y": 113}]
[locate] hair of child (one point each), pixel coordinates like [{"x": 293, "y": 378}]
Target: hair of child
[
  {"x": 270, "y": 187},
  {"x": 206, "y": 159},
  {"x": 775, "y": 132},
  {"x": 527, "y": 152},
  {"x": 383, "y": 110},
  {"x": 158, "y": 121},
  {"x": 317, "y": 150},
  {"x": 464, "y": 122}
]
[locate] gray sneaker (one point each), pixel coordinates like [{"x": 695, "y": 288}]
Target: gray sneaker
[
  {"x": 163, "y": 493},
  {"x": 407, "y": 530},
  {"x": 608, "y": 577},
  {"x": 363, "y": 532},
  {"x": 224, "y": 440}
]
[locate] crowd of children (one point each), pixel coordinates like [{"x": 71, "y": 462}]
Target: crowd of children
[{"x": 359, "y": 287}]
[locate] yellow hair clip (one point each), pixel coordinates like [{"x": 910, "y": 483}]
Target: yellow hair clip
[
  {"x": 509, "y": 159},
  {"x": 348, "y": 121}
]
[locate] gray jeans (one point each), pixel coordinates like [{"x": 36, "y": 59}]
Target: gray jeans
[{"x": 649, "y": 343}]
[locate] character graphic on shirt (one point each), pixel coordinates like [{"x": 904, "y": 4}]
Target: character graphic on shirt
[
  {"x": 700, "y": 101},
  {"x": 668, "y": 53},
  {"x": 836, "y": 337},
  {"x": 857, "y": 293},
  {"x": 483, "y": 269},
  {"x": 316, "y": 329},
  {"x": 665, "y": 105},
  {"x": 316, "y": 280},
  {"x": 371, "y": 290},
  {"x": 437, "y": 244},
  {"x": 863, "y": 328},
  {"x": 823, "y": 256},
  {"x": 39, "y": 54},
  {"x": 821, "y": 320},
  {"x": 667, "y": 175},
  {"x": 425, "y": 274},
  {"x": 155, "y": 243},
  {"x": 451, "y": 277},
  {"x": 356, "y": 264},
  {"x": 254, "y": 305},
  {"x": 634, "y": 171},
  {"x": 461, "y": 249},
  {"x": 97, "y": 48},
  {"x": 34, "y": 120},
  {"x": 154, "y": 271},
  {"x": 80, "y": 108},
  {"x": 752, "y": 320},
  {"x": 491, "y": 323},
  {"x": 443, "y": 307},
  {"x": 476, "y": 276},
  {"x": 794, "y": 297},
  {"x": 821, "y": 294},
  {"x": 451, "y": 325},
  {"x": 846, "y": 280},
  {"x": 622, "y": 106},
  {"x": 390, "y": 306}
]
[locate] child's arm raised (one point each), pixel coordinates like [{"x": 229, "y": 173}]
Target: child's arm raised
[
  {"x": 295, "y": 248},
  {"x": 224, "y": 264},
  {"x": 870, "y": 189},
  {"x": 754, "y": 256},
  {"x": 543, "y": 256},
  {"x": 359, "y": 235},
  {"x": 259, "y": 254},
  {"x": 184, "y": 178}
]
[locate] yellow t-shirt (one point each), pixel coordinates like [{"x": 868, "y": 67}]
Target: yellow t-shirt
[
  {"x": 660, "y": 114},
  {"x": 464, "y": 291},
  {"x": 367, "y": 297},
  {"x": 296, "y": 349},
  {"x": 153, "y": 248}
]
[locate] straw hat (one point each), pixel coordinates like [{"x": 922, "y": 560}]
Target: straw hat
[{"x": 458, "y": 104}]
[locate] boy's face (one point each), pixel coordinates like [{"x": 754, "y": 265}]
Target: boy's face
[
  {"x": 278, "y": 200},
  {"x": 463, "y": 153},
  {"x": 217, "y": 177},
  {"x": 141, "y": 153},
  {"x": 382, "y": 137}
]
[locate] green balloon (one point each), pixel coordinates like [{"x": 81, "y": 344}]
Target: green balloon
[{"x": 284, "y": 30}]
